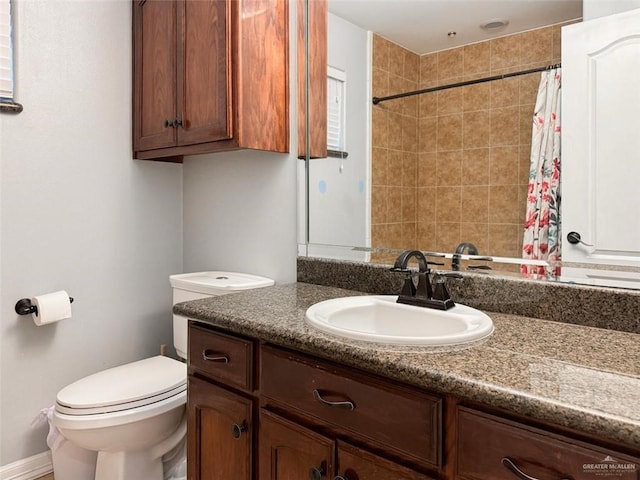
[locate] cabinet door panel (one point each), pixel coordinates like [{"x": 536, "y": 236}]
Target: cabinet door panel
[
  {"x": 217, "y": 448},
  {"x": 205, "y": 88},
  {"x": 357, "y": 464},
  {"x": 289, "y": 451},
  {"x": 154, "y": 75}
]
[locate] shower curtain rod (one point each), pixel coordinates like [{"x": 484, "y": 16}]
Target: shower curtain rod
[{"x": 377, "y": 100}]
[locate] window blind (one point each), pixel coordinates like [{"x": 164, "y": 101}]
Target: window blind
[
  {"x": 336, "y": 109},
  {"x": 6, "y": 51}
]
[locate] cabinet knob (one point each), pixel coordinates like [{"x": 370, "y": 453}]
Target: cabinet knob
[
  {"x": 177, "y": 123},
  {"x": 237, "y": 430},
  {"x": 168, "y": 123},
  {"x": 316, "y": 473},
  {"x": 340, "y": 477},
  {"x": 511, "y": 466}
]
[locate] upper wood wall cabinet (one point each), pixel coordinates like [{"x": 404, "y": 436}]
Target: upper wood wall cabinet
[
  {"x": 318, "y": 11},
  {"x": 209, "y": 76}
]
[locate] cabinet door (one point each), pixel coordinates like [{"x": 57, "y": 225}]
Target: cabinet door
[
  {"x": 357, "y": 464},
  {"x": 154, "y": 73},
  {"x": 204, "y": 80},
  {"x": 289, "y": 451},
  {"x": 219, "y": 433}
]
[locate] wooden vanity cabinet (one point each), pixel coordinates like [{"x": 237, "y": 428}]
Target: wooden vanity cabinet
[
  {"x": 209, "y": 76},
  {"x": 261, "y": 412}
]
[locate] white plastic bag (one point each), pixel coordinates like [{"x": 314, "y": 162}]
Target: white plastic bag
[{"x": 69, "y": 461}]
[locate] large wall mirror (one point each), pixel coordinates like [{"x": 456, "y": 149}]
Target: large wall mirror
[{"x": 448, "y": 171}]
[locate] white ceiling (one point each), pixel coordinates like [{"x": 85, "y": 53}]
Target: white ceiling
[{"x": 422, "y": 25}]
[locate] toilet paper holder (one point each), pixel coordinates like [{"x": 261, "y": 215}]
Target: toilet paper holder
[{"x": 25, "y": 307}]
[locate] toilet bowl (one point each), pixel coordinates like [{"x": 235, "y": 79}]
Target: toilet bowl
[{"x": 135, "y": 414}]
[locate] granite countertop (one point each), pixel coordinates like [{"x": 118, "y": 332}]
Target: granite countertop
[{"x": 578, "y": 377}]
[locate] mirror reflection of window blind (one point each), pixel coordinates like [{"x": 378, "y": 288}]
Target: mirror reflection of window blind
[
  {"x": 6, "y": 51},
  {"x": 336, "y": 82}
]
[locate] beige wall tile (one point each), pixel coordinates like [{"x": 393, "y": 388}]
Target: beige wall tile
[
  {"x": 409, "y": 205},
  {"x": 505, "y": 93},
  {"x": 474, "y": 204},
  {"x": 504, "y": 165},
  {"x": 475, "y": 166},
  {"x": 428, "y": 105},
  {"x": 476, "y": 233},
  {"x": 394, "y": 204},
  {"x": 379, "y": 165},
  {"x": 447, "y": 236},
  {"x": 426, "y": 236},
  {"x": 476, "y": 131},
  {"x": 505, "y": 126},
  {"x": 380, "y": 52},
  {"x": 526, "y": 123},
  {"x": 476, "y": 97},
  {"x": 528, "y": 88},
  {"x": 396, "y": 59},
  {"x": 379, "y": 204},
  {"x": 395, "y": 167},
  {"x": 449, "y": 101},
  {"x": 410, "y": 170},
  {"x": 450, "y": 64},
  {"x": 380, "y": 128},
  {"x": 449, "y": 168},
  {"x": 427, "y": 169},
  {"x": 448, "y": 204},
  {"x": 524, "y": 165},
  {"x": 394, "y": 236},
  {"x": 449, "y": 132},
  {"x": 503, "y": 240},
  {"x": 477, "y": 59},
  {"x": 503, "y": 204},
  {"x": 505, "y": 53},
  {"x": 409, "y": 235},
  {"x": 395, "y": 131},
  {"x": 411, "y": 66},
  {"x": 409, "y": 127},
  {"x": 425, "y": 204},
  {"x": 379, "y": 235},
  {"x": 537, "y": 46},
  {"x": 428, "y": 70},
  {"x": 428, "y": 128},
  {"x": 380, "y": 83}
]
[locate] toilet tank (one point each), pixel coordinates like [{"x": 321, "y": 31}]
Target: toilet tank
[{"x": 194, "y": 286}]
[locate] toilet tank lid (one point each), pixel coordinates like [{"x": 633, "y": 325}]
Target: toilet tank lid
[
  {"x": 124, "y": 384},
  {"x": 216, "y": 282}
]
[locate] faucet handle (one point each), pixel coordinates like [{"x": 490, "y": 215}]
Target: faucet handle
[
  {"x": 434, "y": 263},
  {"x": 448, "y": 275},
  {"x": 408, "y": 288}
]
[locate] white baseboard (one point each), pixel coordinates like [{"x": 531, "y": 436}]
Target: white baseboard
[{"x": 28, "y": 468}]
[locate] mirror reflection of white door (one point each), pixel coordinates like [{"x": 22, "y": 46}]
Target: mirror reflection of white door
[{"x": 601, "y": 140}]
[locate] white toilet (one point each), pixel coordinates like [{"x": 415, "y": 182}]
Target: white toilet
[{"x": 134, "y": 414}]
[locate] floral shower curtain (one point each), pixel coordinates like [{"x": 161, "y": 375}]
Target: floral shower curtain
[{"x": 542, "y": 224}]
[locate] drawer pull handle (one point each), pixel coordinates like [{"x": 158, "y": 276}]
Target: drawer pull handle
[
  {"x": 511, "y": 466},
  {"x": 347, "y": 405},
  {"x": 316, "y": 473},
  {"x": 210, "y": 356},
  {"x": 237, "y": 430}
]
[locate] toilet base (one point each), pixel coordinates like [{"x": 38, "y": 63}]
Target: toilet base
[{"x": 128, "y": 466}]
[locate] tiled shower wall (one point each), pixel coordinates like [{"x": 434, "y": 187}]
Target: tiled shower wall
[{"x": 453, "y": 166}]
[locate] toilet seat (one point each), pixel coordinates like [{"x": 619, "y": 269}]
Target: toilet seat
[{"x": 132, "y": 386}]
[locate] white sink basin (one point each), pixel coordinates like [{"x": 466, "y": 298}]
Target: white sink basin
[{"x": 380, "y": 319}]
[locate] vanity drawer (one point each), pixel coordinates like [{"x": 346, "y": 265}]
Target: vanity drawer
[
  {"x": 488, "y": 444},
  {"x": 390, "y": 417},
  {"x": 221, "y": 357}
]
